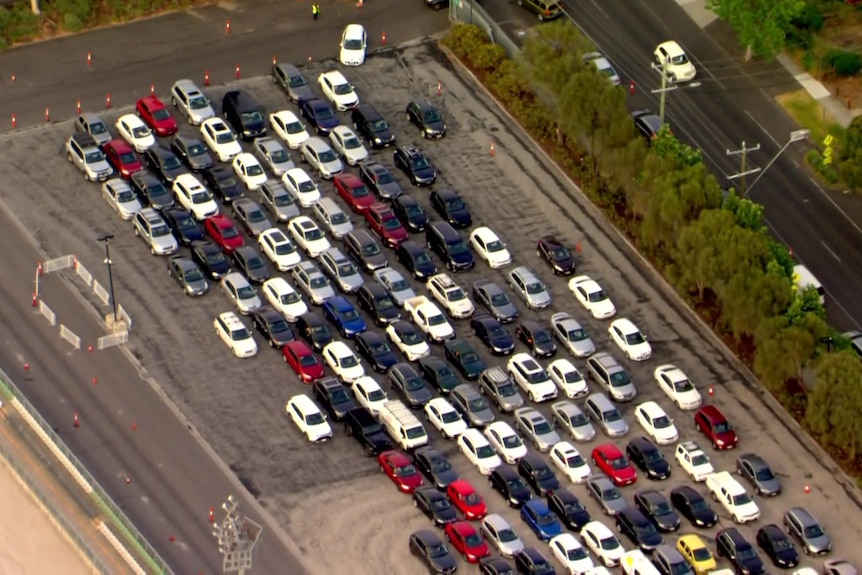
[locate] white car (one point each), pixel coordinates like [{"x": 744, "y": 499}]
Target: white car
[
  {"x": 320, "y": 156},
  {"x": 338, "y": 90},
  {"x": 220, "y": 139},
  {"x": 677, "y": 386},
  {"x": 408, "y": 340},
  {"x": 630, "y": 339},
  {"x": 656, "y": 423},
  {"x": 133, "y": 130},
  {"x": 451, "y": 296},
  {"x": 570, "y": 462},
  {"x": 193, "y": 196},
  {"x": 571, "y": 554},
  {"x": 670, "y": 58},
  {"x": 440, "y": 413},
  {"x": 248, "y": 169},
  {"x": 287, "y": 126},
  {"x": 591, "y": 295},
  {"x": 505, "y": 441},
  {"x": 567, "y": 377},
  {"x": 369, "y": 394},
  {"x": 235, "y": 335},
  {"x": 354, "y": 42},
  {"x": 602, "y": 542},
  {"x": 308, "y": 417},
  {"x": 119, "y": 195},
  {"x": 348, "y": 145},
  {"x": 527, "y": 374},
  {"x": 299, "y": 183},
  {"x": 281, "y": 296},
  {"x": 693, "y": 460},
  {"x": 490, "y": 248},
  {"x": 343, "y": 361},
  {"x": 478, "y": 451},
  {"x": 279, "y": 249},
  {"x": 308, "y": 236}
]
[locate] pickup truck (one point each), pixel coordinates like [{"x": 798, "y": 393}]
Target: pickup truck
[
  {"x": 732, "y": 496},
  {"x": 636, "y": 563},
  {"x": 451, "y": 296},
  {"x": 361, "y": 425},
  {"x": 428, "y": 318}
]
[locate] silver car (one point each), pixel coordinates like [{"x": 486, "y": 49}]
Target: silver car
[
  {"x": 332, "y": 217},
  {"x": 322, "y": 158},
  {"x": 395, "y": 285},
  {"x": 571, "y": 334},
  {"x": 603, "y": 66},
  {"x": 311, "y": 280},
  {"x": 90, "y": 123},
  {"x": 753, "y": 468},
  {"x": 529, "y": 288},
  {"x": 803, "y": 527},
  {"x": 272, "y": 154},
  {"x": 275, "y": 199},
  {"x": 239, "y": 291},
  {"x": 613, "y": 377},
  {"x": 152, "y": 228},
  {"x": 83, "y": 152},
  {"x": 119, "y": 195},
  {"x": 501, "y": 535},
  {"x": 191, "y": 102},
  {"x": 536, "y": 428},
  {"x": 250, "y": 216},
  {"x": 192, "y": 152},
  {"x": 494, "y": 383},
  {"x": 291, "y": 80},
  {"x": 606, "y": 494},
  {"x": 347, "y": 143},
  {"x": 606, "y": 415},
  {"x": 573, "y": 419},
  {"x": 341, "y": 270},
  {"x": 470, "y": 404}
]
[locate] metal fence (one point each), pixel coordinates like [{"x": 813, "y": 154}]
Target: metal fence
[
  {"x": 120, "y": 525},
  {"x": 470, "y": 12}
]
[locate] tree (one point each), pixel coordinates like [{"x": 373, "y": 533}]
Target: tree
[
  {"x": 666, "y": 145},
  {"x": 760, "y": 25},
  {"x": 696, "y": 254},
  {"x": 748, "y": 214},
  {"x": 749, "y": 296},
  {"x": 782, "y": 351},
  {"x": 836, "y": 401}
]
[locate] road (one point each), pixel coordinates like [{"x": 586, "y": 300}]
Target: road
[{"x": 734, "y": 104}]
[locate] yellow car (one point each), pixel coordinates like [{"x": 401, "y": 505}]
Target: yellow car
[{"x": 698, "y": 555}]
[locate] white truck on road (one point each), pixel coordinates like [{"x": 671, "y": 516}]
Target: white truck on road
[
  {"x": 732, "y": 496},
  {"x": 402, "y": 425},
  {"x": 428, "y": 318}
]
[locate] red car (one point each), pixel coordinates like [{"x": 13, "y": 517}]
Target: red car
[
  {"x": 399, "y": 470},
  {"x": 710, "y": 421},
  {"x": 157, "y": 116},
  {"x": 222, "y": 231},
  {"x": 467, "y": 541},
  {"x": 383, "y": 222},
  {"x": 353, "y": 191},
  {"x": 299, "y": 356},
  {"x": 614, "y": 464},
  {"x": 122, "y": 158},
  {"x": 466, "y": 499}
]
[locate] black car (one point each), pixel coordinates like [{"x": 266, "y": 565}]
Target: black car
[
  {"x": 363, "y": 249},
  {"x": 530, "y": 561},
  {"x": 435, "y": 505},
  {"x": 374, "y": 299},
  {"x": 252, "y": 265},
  {"x": 693, "y": 506},
  {"x": 634, "y": 525},
  {"x": 151, "y": 191},
  {"x": 374, "y": 349},
  {"x": 451, "y": 208},
  {"x": 272, "y": 326},
  {"x": 164, "y": 163},
  {"x": 506, "y": 481},
  {"x": 657, "y": 509},
  {"x": 492, "y": 333},
  {"x": 538, "y": 474},
  {"x": 250, "y": 217},
  {"x": 438, "y": 373},
  {"x": 647, "y": 124},
  {"x": 410, "y": 213},
  {"x": 493, "y": 565},
  {"x": 243, "y": 114},
  {"x": 192, "y": 152},
  {"x": 415, "y": 165},
  {"x": 319, "y": 114},
  {"x": 647, "y": 457},
  {"x": 777, "y": 546},
  {"x": 333, "y": 396},
  {"x": 558, "y": 257},
  {"x": 493, "y": 298},
  {"x": 429, "y": 548},
  {"x": 409, "y": 385},
  {"x": 569, "y": 509},
  {"x": 413, "y": 256},
  {"x": 371, "y": 125},
  {"x": 537, "y": 337},
  {"x": 465, "y": 359},
  {"x": 425, "y": 116},
  {"x": 361, "y": 425},
  {"x": 435, "y": 467},
  {"x": 222, "y": 182},
  {"x": 730, "y": 543},
  {"x": 314, "y": 330},
  {"x": 183, "y": 225},
  {"x": 380, "y": 180},
  {"x": 211, "y": 259},
  {"x": 189, "y": 275}
]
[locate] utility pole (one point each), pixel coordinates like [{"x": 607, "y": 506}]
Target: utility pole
[
  {"x": 236, "y": 538},
  {"x": 106, "y": 239},
  {"x": 666, "y": 87},
  {"x": 743, "y": 171}
]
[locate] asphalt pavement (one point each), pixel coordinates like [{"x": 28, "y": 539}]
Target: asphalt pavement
[{"x": 734, "y": 104}]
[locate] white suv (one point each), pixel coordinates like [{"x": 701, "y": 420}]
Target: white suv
[
  {"x": 527, "y": 374},
  {"x": 451, "y": 296},
  {"x": 84, "y": 153},
  {"x": 235, "y": 335},
  {"x": 193, "y": 196},
  {"x": 308, "y": 418}
]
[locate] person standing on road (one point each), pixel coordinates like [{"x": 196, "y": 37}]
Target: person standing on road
[{"x": 315, "y": 10}]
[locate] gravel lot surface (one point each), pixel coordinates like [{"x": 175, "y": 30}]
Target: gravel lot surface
[{"x": 330, "y": 497}]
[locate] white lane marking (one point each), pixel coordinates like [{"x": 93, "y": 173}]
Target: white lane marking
[
  {"x": 837, "y": 207},
  {"x": 759, "y": 125},
  {"x": 599, "y": 8},
  {"x": 828, "y": 249}
]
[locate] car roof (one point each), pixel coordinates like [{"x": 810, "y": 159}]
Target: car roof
[
  {"x": 565, "y": 496},
  {"x": 652, "y": 495},
  {"x": 351, "y": 180},
  {"x": 84, "y": 140},
  {"x": 339, "y": 348},
  {"x": 712, "y": 413},
  {"x": 506, "y": 473},
  {"x": 371, "y": 336},
  {"x": 304, "y": 403},
  {"x": 396, "y": 457},
  {"x": 635, "y": 515},
  {"x": 672, "y": 48},
  {"x": 186, "y": 85},
  {"x": 534, "y": 460},
  {"x": 754, "y": 459},
  {"x": 735, "y": 536},
  {"x": 625, "y": 325},
  {"x": 335, "y": 76},
  {"x": 461, "y": 486},
  {"x": 803, "y": 516},
  {"x": 467, "y": 390},
  {"x": 598, "y": 528},
  {"x": 609, "y": 450},
  {"x": 152, "y": 101},
  {"x": 236, "y": 278},
  {"x": 773, "y": 531},
  {"x": 406, "y": 201},
  {"x": 644, "y": 444}
]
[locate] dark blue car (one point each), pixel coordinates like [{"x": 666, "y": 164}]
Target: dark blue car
[
  {"x": 374, "y": 349},
  {"x": 539, "y": 518},
  {"x": 344, "y": 316},
  {"x": 451, "y": 208},
  {"x": 492, "y": 333},
  {"x": 319, "y": 114}
]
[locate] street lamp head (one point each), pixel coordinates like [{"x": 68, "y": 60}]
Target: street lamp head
[
  {"x": 105, "y": 237},
  {"x": 797, "y": 135}
]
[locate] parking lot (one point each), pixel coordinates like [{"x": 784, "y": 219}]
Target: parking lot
[{"x": 331, "y": 499}]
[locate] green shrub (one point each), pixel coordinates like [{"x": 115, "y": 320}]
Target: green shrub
[
  {"x": 17, "y": 24},
  {"x": 488, "y": 57},
  {"x": 810, "y": 19},
  {"x": 843, "y": 62}
]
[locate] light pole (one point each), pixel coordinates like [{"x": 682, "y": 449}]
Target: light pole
[
  {"x": 795, "y": 136},
  {"x": 662, "y": 70},
  {"x": 106, "y": 239},
  {"x": 237, "y": 537}
]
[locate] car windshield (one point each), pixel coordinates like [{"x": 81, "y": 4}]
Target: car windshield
[
  {"x": 254, "y": 263},
  {"x": 746, "y": 553},
  {"x": 314, "y": 418},
  {"x": 279, "y": 156},
  {"x": 290, "y": 297},
  {"x": 383, "y": 303},
  {"x": 141, "y": 132},
  {"x": 574, "y": 507},
  {"x": 225, "y": 137},
  {"x": 700, "y": 459},
  {"x": 542, "y": 428},
  {"x": 185, "y": 222},
  {"x": 352, "y": 143},
  {"x": 652, "y": 456},
  {"x": 171, "y": 163},
  {"x": 320, "y": 331},
  {"x": 399, "y": 285},
  {"x": 215, "y": 258},
  {"x": 620, "y": 378},
  {"x": 196, "y": 150},
  {"x": 327, "y": 156},
  {"x": 359, "y": 192},
  {"x": 226, "y": 182},
  {"x": 240, "y": 334},
  {"x": 541, "y": 337},
  {"x": 338, "y": 395},
  {"x": 379, "y": 348},
  {"x": 721, "y": 427},
  {"x": 249, "y": 117},
  {"x": 318, "y": 282},
  {"x": 611, "y": 494},
  {"x": 349, "y": 315},
  {"x": 253, "y": 170},
  {"x": 437, "y": 550},
  {"x": 413, "y": 211},
  {"x": 228, "y": 232},
  {"x": 560, "y": 253},
  {"x": 506, "y": 390},
  {"x": 440, "y": 504},
  {"x": 662, "y": 422},
  {"x": 496, "y": 331},
  {"x": 346, "y": 270},
  {"x": 201, "y": 197},
  {"x": 450, "y": 417},
  {"x": 376, "y": 395},
  {"x": 477, "y": 404},
  {"x": 512, "y": 441},
  {"x": 495, "y": 246},
  {"x": 245, "y": 292},
  {"x": 128, "y": 158},
  {"x": 781, "y": 544},
  {"x": 379, "y": 126},
  {"x": 575, "y": 461},
  {"x": 391, "y": 224},
  {"x": 538, "y": 376},
  {"x": 635, "y": 338},
  {"x": 679, "y": 60},
  {"x": 468, "y": 358},
  {"x": 383, "y": 177},
  {"x": 458, "y": 248},
  {"x": 322, "y": 113},
  {"x": 577, "y": 335},
  {"x": 413, "y": 384},
  {"x": 578, "y": 419},
  {"x": 619, "y": 463},
  {"x": 662, "y": 508},
  {"x": 161, "y": 114},
  {"x": 741, "y": 499},
  {"x": 430, "y": 116},
  {"x": 485, "y": 451},
  {"x": 125, "y": 196},
  {"x": 546, "y": 519},
  {"x": 764, "y": 474},
  {"x": 283, "y": 200},
  {"x": 516, "y": 485},
  {"x": 312, "y": 233},
  {"x": 159, "y": 231},
  {"x": 97, "y": 128},
  {"x": 683, "y": 385},
  {"x": 294, "y": 128},
  {"x": 455, "y": 204},
  {"x": 338, "y": 218},
  {"x": 440, "y": 465},
  {"x": 307, "y": 187},
  {"x": 576, "y": 554},
  {"x": 436, "y": 320},
  {"x": 698, "y": 505},
  {"x": 405, "y": 470},
  {"x": 702, "y": 554},
  {"x": 573, "y": 376},
  {"x": 198, "y": 102},
  {"x": 472, "y": 498},
  {"x": 611, "y": 415},
  {"x": 193, "y": 275},
  {"x": 94, "y": 157},
  {"x": 370, "y": 249},
  {"x": 348, "y": 361},
  {"x": 412, "y": 338},
  {"x": 597, "y": 296},
  {"x": 472, "y": 540},
  {"x": 353, "y": 44},
  {"x": 419, "y": 163},
  {"x": 646, "y": 530},
  {"x": 813, "y": 531},
  {"x": 534, "y": 288},
  {"x": 499, "y": 299},
  {"x": 609, "y": 543},
  {"x": 342, "y": 89},
  {"x": 296, "y": 81}
]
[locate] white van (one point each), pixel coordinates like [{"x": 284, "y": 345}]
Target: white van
[
  {"x": 803, "y": 278},
  {"x": 402, "y": 425}
]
